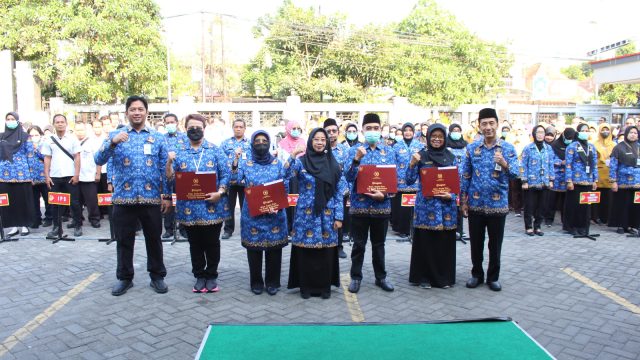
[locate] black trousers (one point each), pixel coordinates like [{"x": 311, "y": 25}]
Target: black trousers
[
  {"x": 533, "y": 208},
  {"x": 495, "y": 227},
  {"x": 602, "y": 210},
  {"x": 89, "y": 194},
  {"x": 204, "y": 247},
  {"x": 102, "y": 189},
  {"x": 272, "y": 267},
  {"x": 235, "y": 192},
  {"x": 125, "y": 221},
  {"x": 346, "y": 222},
  {"x": 41, "y": 191},
  {"x": 376, "y": 229},
  {"x": 64, "y": 186}
]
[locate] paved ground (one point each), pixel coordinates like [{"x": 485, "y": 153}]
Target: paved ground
[{"x": 569, "y": 318}]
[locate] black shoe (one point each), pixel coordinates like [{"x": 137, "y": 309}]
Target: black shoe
[
  {"x": 494, "y": 285},
  {"x": 257, "y": 289},
  {"x": 72, "y": 225},
  {"x": 159, "y": 286},
  {"x": 53, "y": 233},
  {"x": 403, "y": 238},
  {"x": 325, "y": 294},
  {"x": 200, "y": 286},
  {"x": 13, "y": 232},
  {"x": 425, "y": 285},
  {"x": 225, "y": 236},
  {"x": 620, "y": 230},
  {"x": 77, "y": 232},
  {"x": 95, "y": 224},
  {"x": 384, "y": 285},
  {"x": 304, "y": 294},
  {"x": 529, "y": 232},
  {"x": 342, "y": 254},
  {"x": 538, "y": 232},
  {"x": 272, "y": 290},
  {"x": 47, "y": 223},
  {"x": 473, "y": 282},
  {"x": 212, "y": 285},
  {"x": 183, "y": 233},
  {"x": 65, "y": 219},
  {"x": 24, "y": 231},
  {"x": 354, "y": 287},
  {"x": 167, "y": 234},
  {"x": 35, "y": 224},
  {"x": 121, "y": 287}
]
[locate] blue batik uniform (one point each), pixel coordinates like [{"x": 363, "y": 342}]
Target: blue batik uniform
[
  {"x": 267, "y": 231},
  {"x": 432, "y": 213},
  {"x": 536, "y": 166},
  {"x": 362, "y": 205},
  {"x": 487, "y": 189},
  {"x": 627, "y": 177},
  {"x": 404, "y": 153},
  {"x": 311, "y": 230},
  {"x": 229, "y": 147},
  {"x": 207, "y": 158},
  {"x": 37, "y": 166},
  {"x": 341, "y": 154},
  {"x": 176, "y": 141},
  {"x": 560, "y": 174},
  {"x": 577, "y": 169},
  {"x": 19, "y": 170},
  {"x": 138, "y": 176}
]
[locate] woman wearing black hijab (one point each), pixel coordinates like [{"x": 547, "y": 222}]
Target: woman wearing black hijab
[
  {"x": 556, "y": 196},
  {"x": 624, "y": 175},
  {"x": 433, "y": 252},
  {"x": 16, "y": 158},
  {"x": 314, "y": 253}
]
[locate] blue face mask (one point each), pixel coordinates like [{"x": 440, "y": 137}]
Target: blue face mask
[
  {"x": 567, "y": 141},
  {"x": 399, "y": 138},
  {"x": 352, "y": 136},
  {"x": 11, "y": 124},
  {"x": 455, "y": 136},
  {"x": 171, "y": 128},
  {"x": 295, "y": 134},
  {"x": 583, "y": 136},
  {"x": 372, "y": 137}
]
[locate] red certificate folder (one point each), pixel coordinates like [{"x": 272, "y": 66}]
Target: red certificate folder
[
  {"x": 266, "y": 198},
  {"x": 382, "y": 178},
  {"x": 439, "y": 180},
  {"x": 195, "y": 185}
]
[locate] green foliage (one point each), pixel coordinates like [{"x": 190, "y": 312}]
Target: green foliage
[
  {"x": 88, "y": 50},
  {"x": 578, "y": 71}
]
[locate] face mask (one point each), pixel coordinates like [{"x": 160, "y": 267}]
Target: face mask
[
  {"x": 399, "y": 138},
  {"x": 567, "y": 141},
  {"x": 372, "y": 137},
  {"x": 583, "y": 136},
  {"x": 11, "y": 124},
  {"x": 504, "y": 134},
  {"x": 352, "y": 136},
  {"x": 295, "y": 134},
  {"x": 35, "y": 139},
  {"x": 261, "y": 149},
  {"x": 455, "y": 136},
  {"x": 171, "y": 128},
  {"x": 195, "y": 134},
  {"x": 385, "y": 134},
  {"x": 605, "y": 134}
]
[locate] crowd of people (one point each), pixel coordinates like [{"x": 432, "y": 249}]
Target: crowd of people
[{"x": 540, "y": 172}]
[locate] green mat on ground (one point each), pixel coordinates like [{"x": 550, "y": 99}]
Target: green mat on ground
[{"x": 441, "y": 340}]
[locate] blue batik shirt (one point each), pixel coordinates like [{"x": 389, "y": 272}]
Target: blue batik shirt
[
  {"x": 229, "y": 147},
  {"x": 536, "y": 166},
  {"x": 363, "y": 205},
  {"x": 20, "y": 169},
  {"x": 577, "y": 169},
  {"x": 404, "y": 153},
  {"x": 627, "y": 177},
  {"x": 560, "y": 174},
  {"x": 176, "y": 141},
  {"x": 137, "y": 167},
  {"x": 37, "y": 166},
  {"x": 341, "y": 153},
  {"x": 486, "y": 188}
]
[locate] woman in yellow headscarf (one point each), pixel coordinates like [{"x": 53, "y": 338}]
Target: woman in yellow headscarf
[{"x": 604, "y": 145}]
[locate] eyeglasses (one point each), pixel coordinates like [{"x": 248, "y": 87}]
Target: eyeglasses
[{"x": 194, "y": 127}]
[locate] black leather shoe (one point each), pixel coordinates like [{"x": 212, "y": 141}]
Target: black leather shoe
[
  {"x": 342, "y": 254},
  {"x": 167, "y": 234},
  {"x": 272, "y": 290},
  {"x": 121, "y": 287},
  {"x": 159, "y": 286},
  {"x": 539, "y": 232},
  {"x": 325, "y": 294},
  {"x": 53, "y": 233},
  {"x": 200, "y": 286},
  {"x": 384, "y": 285},
  {"x": 473, "y": 282},
  {"x": 620, "y": 230},
  {"x": 77, "y": 231},
  {"x": 72, "y": 225},
  {"x": 305, "y": 294},
  {"x": 212, "y": 285},
  {"x": 257, "y": 289},
  {"x": 494, "y": 285},
  {"x": 47, "y": 223},
  {"x": 225, "y": 236},
  {"x": 95, "y": 224},
  {"x": 354, "y": 287}
]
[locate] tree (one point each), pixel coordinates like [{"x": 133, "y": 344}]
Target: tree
[{"x": 88, "y": 50}]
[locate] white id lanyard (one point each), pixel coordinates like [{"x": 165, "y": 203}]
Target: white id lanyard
[{"x": 197, "y": 164}]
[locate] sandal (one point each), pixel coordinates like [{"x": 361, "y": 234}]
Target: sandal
[{"x": 529, "y": 232}]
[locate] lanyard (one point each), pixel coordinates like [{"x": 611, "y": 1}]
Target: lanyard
[
  {"x": 197, "y": 164},
  {"x": 631, "y": 148}
]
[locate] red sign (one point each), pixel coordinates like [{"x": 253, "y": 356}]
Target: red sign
[
  {"x": 292, "y": 199},
  {"x": 408, "y": 199},
  {"x": 439, "y": 180},
  {"x": 195, "y": 186},
  {"x": 636, "y": 197},
  {"x": 104, "y": 199},
  {"x": 590, "y": 197},
  {"x": 4, "y": 199},
  {"x": 383, "y": 178},
  {"x": 56, "y": 198},
  {"x": 266, "y": 198}
]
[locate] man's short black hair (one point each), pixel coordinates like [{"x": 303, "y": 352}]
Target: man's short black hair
[
  {"x": 239, "y": 120},
  {"x": 170, "y": 115},
  {"x": 134, "y": 98}
]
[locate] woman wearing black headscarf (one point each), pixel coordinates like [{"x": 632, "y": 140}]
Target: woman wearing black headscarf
[
  {"x": 16, "y": 158},
  {"x": 582, "y": 176},
  {"x": 433, "y": 252},
  {"x": 314, "y": 253},
  {"x": 624, "y": 175},
  {"x": 457, "y": 145},
  {"x": 556, "y": 196}
]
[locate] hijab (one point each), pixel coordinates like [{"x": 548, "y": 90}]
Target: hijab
[
  {"x": 584, "y": 144},
  {"x": 324, "y": 168},
  {"x": 12, "y": 139},
  {"x": 539, "y": 144},
  {"x": 558, "y": 145},
  {"x": 626, "y": 151},
  {"x": 455, "y": 144},
  {"x": 440, "y": 156},
  {"x": 289, "y": 144},
  {"x": 406, "y": 125},
  {"x": 354, "y": 141},
  {"x": 262, "y": 159}
]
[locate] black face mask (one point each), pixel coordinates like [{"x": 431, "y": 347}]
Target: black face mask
[
  {"x": 261, "y": 149},
  {"x": 195, "y": 134}
]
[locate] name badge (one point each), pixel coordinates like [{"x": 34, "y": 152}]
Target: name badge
[
  {"x": 587, "y": 169},
  {"x": 244, "y": 156},
  {"x": 497, "y": 167},
  {"x": 541, "y": 172},
  {"x": 147, "y": 149},
  {"x": 637, "y": 162}
]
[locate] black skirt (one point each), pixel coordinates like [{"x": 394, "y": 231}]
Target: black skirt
[
  {"x": 20, "y": 210},
  {"x": 313, "y": 270},
  {"x": 624, "y": 213},
  {"x": 577, "y": 216},
  {"x": 602, "y": 210},
  {"x": 433, "y": 257}
]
